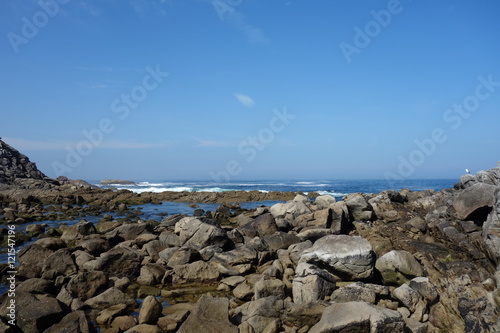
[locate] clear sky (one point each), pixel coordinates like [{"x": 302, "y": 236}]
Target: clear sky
[{"x": 251, "y": 89}]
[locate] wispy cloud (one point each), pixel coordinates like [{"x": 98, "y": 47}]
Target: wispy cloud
[
  {"x": 244, "y": 99},
  {"x": 210, "y": 143},
  {"x": 254, "y": 34},
  {"x": 30, "y": 145}
]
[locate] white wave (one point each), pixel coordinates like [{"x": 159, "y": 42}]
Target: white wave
[{"x": 333, "y": 194}]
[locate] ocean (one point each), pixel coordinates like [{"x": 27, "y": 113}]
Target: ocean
[{"x": 335, "y": 188}]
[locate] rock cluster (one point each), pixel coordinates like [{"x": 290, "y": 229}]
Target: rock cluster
[
  {"x": 388, "y": 262},
  {"x": 14, "y": 165}
]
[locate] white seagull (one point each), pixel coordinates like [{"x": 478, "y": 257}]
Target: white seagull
[{"x": 467, "y": 171}]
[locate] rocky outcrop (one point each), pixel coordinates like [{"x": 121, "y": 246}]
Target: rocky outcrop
[
  {"x": 15, "y": 165},
  {"x": 388, "y": 262}
]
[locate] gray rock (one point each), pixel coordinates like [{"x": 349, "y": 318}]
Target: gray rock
[
  {"x": 196, "y": 272},
  {"x": 130, "y": 231},
  {"x": 150, "y": 311},
  {"x": 273, "y": 287},
  {"x": 78, "y": 231},
  {"x": 58, "y": 263},
  {"x": 210, "y": 315},
  {"x": 407, "y": 296},
  {"x": 398, "y": 267},
  {"x": 183, "y": 256},
  {"x": 110, "y": 297},
  {"x": 196, "y": 234},
  {"x": 154, "y": 247},
  {"x": 259, "y": 313},
  {"x": 348, "y": 257},
  {"x": 52, "y": 243},
  {"x": 167, "y": 253},
  {"x": 243, "y": 291},
  {"x": 280, "y": 240},
  {"x": 359, "y": 208},
  {"x": 323, "y": 201},
  {"x": 473, "y": 199},
  {"x": 232, "y": 281},
  {"x": 314, "y": 234},
  {"x": 144, "y": 328},
  {"x": 425, "y": 288},
  {"x": 358, "y": 317},
  {"x": 151, "y": 274},
  {"x": 265, "y": 225},
  {"x": 120, "y": 261},
  {"x": 85, "y": 285},
  {"x": 35, "y": 313},
  {"x": 81, "y": 257},
  {"x": 95, "y": 246},
  {"x": 75, "y": 322},
  {"x": 123, "y": 323},
  {"x": 354, "y": 293},
  {"x": 311, "y": 284},
  {"x": 106, "y": 316},
  {"x": 294, "y": 208},
  {"x": 31, "y": 259},
  {"x": 295, "y": 251},
  {"x": 36, "y": 286}
]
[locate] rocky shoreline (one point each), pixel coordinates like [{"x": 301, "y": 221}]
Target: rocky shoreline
[{"x": 388, "y": 262}]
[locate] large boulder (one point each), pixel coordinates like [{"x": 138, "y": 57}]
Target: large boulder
[
  {"x": 398, "y": 267},
  {"x": 210, "y": 315},
  {"x": 130, "y": 231},
  {"x": 75, "y": 322},
  {"x": 150, "y": 311},
  {"x": 35, "y": 313},
  {"x": 359, "y": 317},
  {"x": 311, "y": 284},
  {"x": 78, "y": 231},
  {"x": 272, "y": 287},
  {"x": 120, "y": 261},
  {"x": 491, "y": 231},
  {"x": 196, "y": 272},
  {"x": 292, "y": 208},
  {"x": 324, "y": 201},
  {"x": 151, "y": 274},
  {"x": 473, "y": 200},
  {"x": 259, "y": 313},
  {"x": 198, "y": 235},
  {"x": 31, "y": 260},
  {"x": 109, "y": 298},
  {"x": 359, "y": 208},
  {"x": 347, "y": 257},
  {"x": 58, "y": 263},
  {"x": 85, "y": 285},
  {"x": 265, "y": 225}
]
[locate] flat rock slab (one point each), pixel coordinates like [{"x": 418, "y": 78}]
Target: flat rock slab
[
  {"x": 347, "y": 257},
  {"x": 359, "y": 317}
]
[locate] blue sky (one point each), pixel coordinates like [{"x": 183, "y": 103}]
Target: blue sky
[{"x": 248, "y": 89}]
